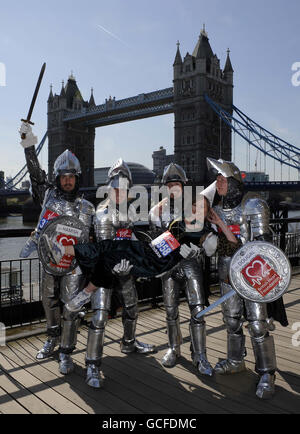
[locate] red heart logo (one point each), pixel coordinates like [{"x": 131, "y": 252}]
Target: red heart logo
[{"x": 66, "y": 240}]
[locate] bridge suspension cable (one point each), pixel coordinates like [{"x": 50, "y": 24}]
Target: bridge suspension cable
[
  {"x": 257, "y": 136},
  {"x": 11, "y": 184}
]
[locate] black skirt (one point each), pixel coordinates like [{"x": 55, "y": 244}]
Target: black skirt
[{"x": 98, "y": 259}]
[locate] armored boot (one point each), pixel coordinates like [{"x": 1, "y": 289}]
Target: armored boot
[
  {"x": 94, "y": 357},
  {"x": 235, "y": 356},
  {"x": 48, "y": 348},
  {"x": 50, "y": 344},
  {"x": 175, "y": 339},
  {"x": 266, "y": 386},
  {"x": 130, "y": 344},
  {"x": 198, "y": 338},
  {"x": 265, "y": 366},
  {"x": 66, "y": 365},
  {"x": 93, "y": 376}
]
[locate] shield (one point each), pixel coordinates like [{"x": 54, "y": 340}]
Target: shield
[
  {"x": 260, "y": 272},
  {"x": 66, "y": 230}
]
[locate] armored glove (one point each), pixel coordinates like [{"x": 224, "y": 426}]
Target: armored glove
[
  {"x": 123, "y": 268},
  {"x": 190, "y": 252},
  {"x": 210, "y": 244},
  {"x": 30, "y": 139}
]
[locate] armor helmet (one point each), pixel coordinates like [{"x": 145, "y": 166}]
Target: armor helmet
[
  {"x": 235, "y": 189},
  {"x": 66, "y": 163},
  {"x": 174, "y": 173},
  {"x": 119, "y": 175},
  {"x": 226, "y": 168}
]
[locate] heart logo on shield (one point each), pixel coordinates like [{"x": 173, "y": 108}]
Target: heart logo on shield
[{"x": 66, "y": 240}]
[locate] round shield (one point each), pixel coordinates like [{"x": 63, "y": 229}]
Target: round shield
[
  {"x": 66, "y": 230},
  {"x": 260, "y": 272}
]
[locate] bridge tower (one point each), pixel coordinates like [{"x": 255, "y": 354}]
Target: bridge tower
[
  {"x": 78, "y": 138},
  {"x": 198, "y": 131}
]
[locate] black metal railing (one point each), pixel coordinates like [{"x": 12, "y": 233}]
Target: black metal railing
[
  {"x": 20, "y": 280},
  {"x": 20, "y": 292}
]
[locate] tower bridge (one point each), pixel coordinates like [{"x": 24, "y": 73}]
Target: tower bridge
[{"x": 72, "y": 120}]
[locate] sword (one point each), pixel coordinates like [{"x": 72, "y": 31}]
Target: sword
[
  {"x": 34, "y": 99},
  {"x": 216, "y": 303}
]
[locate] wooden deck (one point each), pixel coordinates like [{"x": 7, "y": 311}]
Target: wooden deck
[{"x": 137, "y": 384}]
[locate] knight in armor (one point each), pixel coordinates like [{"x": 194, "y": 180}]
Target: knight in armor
[
  {"x": 188, "y": 274},
  {"x": 112, "y": 223},
  {"x": 60, "y": 199},
  {"x": 247, "y": 216}
]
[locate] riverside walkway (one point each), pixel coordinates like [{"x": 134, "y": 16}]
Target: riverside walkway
[{"x": 137, "y": 384}]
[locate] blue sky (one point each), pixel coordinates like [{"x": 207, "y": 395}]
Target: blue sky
[{"x": 135, "y": 54}]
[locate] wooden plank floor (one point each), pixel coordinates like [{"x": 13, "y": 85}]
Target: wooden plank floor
[{"x": 137, "y": 384}]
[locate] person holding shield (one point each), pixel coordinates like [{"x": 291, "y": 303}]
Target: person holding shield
[
  {"x": 247, "y": 216},
  {"x": 60, "y": 199}
]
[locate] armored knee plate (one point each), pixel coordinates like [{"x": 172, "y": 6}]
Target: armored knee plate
[
  {"x": 258, "y": 329},
  {"x": 233, "y": 307},
  {"x": 264, "y": 353},
  {"x": 171, "y": 312},
  {"x": 194, "y": 286}
]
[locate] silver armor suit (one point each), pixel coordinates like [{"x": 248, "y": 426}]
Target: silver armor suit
[
  {"x": 249, "y": 220},
  {"x": 109, "y": 224},
  {"x": 189, "y": 274},
  {"x": 56, "y": 288},
  {"x": 252, "y": 216}
]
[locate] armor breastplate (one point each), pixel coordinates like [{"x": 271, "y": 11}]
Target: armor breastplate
[
  {"x": 252, "y": 215},
  {"x": 54, "y": 205},
  {"x": 234, "y": 217},
  {"x": 108, "y": 222}
]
